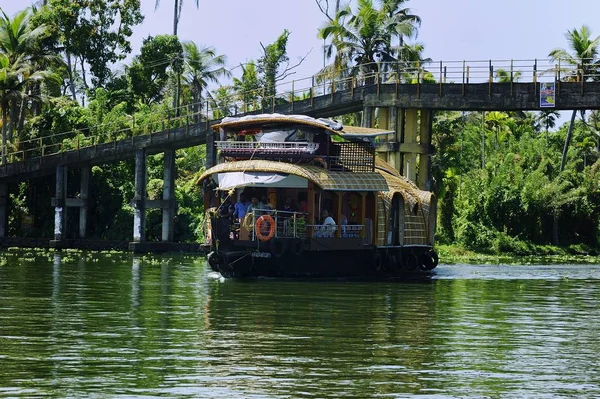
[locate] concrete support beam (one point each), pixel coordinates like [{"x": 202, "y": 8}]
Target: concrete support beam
[
  {"x": 384, "y": 122},
  {"x": 211, "y": 150},
  {"x": 409, "y": 160},
  {"x": 3, "y": 210},
  {"x": 84, "y": 189},
  {"x": 60, "y": 206},
  {"x": 392, "y": 157},
  {"x": 424, "y": 181},
  {"x": 139, "y": 200},
  {"x": 367, "y": 117},
  {"x": 168, "y": 212}
]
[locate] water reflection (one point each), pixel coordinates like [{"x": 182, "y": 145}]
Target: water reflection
[{"x": 114, "y": 324}]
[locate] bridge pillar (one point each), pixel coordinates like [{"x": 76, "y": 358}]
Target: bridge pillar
[
  {"x": 60, "y": 203},
  {"x": 409, "y": 156},
  {"x": 139, "y": 200},
  {"x": 211, "y": 150},
  {"x": 367, "y": 116},
  {"x": 84, "y": 185},
  {"x": 168, "y": 210},
  {"x": 3, "y": 210},
  {"x": 424, "y": 181}
]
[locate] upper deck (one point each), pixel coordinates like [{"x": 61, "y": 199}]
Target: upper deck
[{"x": 298, "y": 139}]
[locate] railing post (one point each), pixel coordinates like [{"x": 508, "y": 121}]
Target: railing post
[
  {"x": 491, "y": 79},
  {"x": 535, "y": 71},
  {"x": 332, "y": 88},
  {"x": 441, "y": 76},
  {"x": 418, "y": 79},
  {"x": 207, "y": 105},
  {"x": 293, "y": 84},
  {"x": 464, "y": 73},
  {"x": 511, "y": 70}
]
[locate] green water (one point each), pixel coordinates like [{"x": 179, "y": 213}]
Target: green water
[{"x": 114, "y": 325}]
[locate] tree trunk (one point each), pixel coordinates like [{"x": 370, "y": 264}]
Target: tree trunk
[
  {"x": 555, "y": 240},
  {"x": 4, "y": 128},
  {"x": 11, "y": 122},
  {"x": 84, "y": 78},
  {"x": 22, "y": 112},
  {"x": 563, "y": 160},
  {"x": 70, "y": 72},
  {"x": 483, "y": 140},
  {"x": 175, "y": 16},
  {"x": 176, "y": 93}
]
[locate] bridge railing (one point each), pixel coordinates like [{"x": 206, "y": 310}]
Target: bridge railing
[{"x": 289, "y": 92}]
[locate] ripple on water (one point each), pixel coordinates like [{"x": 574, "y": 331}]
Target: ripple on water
[{"x": 151, "y": 328}]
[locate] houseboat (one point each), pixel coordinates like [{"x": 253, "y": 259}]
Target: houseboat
[{"x": 295, "y": 196}]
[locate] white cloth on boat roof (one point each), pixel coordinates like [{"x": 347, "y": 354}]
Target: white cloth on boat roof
[{"x": 229, "y": 180}]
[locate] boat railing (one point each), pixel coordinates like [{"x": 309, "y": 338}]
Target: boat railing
[
  {"x": 330, "y": 231},
  {"x": 248, "y": 147},
  {"x": 285, "y": 224}
]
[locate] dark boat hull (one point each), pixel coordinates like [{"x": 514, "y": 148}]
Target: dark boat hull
[{"x": 372, "y": 263}]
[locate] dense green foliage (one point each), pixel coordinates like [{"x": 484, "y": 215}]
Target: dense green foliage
[{"x": 502, "y": 183}]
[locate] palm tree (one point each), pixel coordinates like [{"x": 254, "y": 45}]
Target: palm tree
[
  {"x": 202, "y": 66},
  {"x": 547, "y": 118},
  {"x": 365, "y": 39},
  {"x": 400, "y": 21},
  {"x": 221, "y": 102},
  {"x": 504, "y": 76},
  {"x": 19, "y": 36},
  {"x": 14, "y": 77},
  {"x": 23, "y": 67},
  {"x": 585, "y": 58},
  {"x": 177, "y": 5},
  {"x": 247, "y": 88}
]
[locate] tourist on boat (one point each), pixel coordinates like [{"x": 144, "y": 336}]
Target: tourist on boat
[
  {"x": 241, "y": 207},
  {"x": 255, "y": 205},
  {"x": 267, "y": 207},
  {"x": 288, "y": 205},
  {"x": 287, "y": 213},
  {"x": 329, "y": 225}
]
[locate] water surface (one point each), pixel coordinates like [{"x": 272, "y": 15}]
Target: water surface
[{"x": 117, "y": 325}]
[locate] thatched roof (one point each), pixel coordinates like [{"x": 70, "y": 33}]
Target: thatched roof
[
  {"x": 327, "y": 180},
  {"x": 328, "y": 124}
]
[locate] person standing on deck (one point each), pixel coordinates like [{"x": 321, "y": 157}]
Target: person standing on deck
[
  {"x": 329, "y": 225},
  {"x": 241, "y": 208},
  {"x": 255, "y": 205}
]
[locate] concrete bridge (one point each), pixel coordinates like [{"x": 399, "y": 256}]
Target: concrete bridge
[{"x": 384, "y": 99}]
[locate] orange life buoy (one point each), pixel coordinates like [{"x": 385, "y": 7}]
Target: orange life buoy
[{"x": 259, "y": 227}]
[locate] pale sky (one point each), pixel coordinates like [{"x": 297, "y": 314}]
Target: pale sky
[{"x": 451, "y": 29}]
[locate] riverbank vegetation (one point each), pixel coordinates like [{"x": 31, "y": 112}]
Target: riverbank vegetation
[{"x": 507, "y": 182}]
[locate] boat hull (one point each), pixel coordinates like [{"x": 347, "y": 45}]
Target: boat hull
[{"x": 372, "y": 263}]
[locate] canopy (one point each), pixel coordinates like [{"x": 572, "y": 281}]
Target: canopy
[{"x": 327, "y": 180}]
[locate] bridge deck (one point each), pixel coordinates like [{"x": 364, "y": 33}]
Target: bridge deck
[{"x": 434, "y": 96}]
